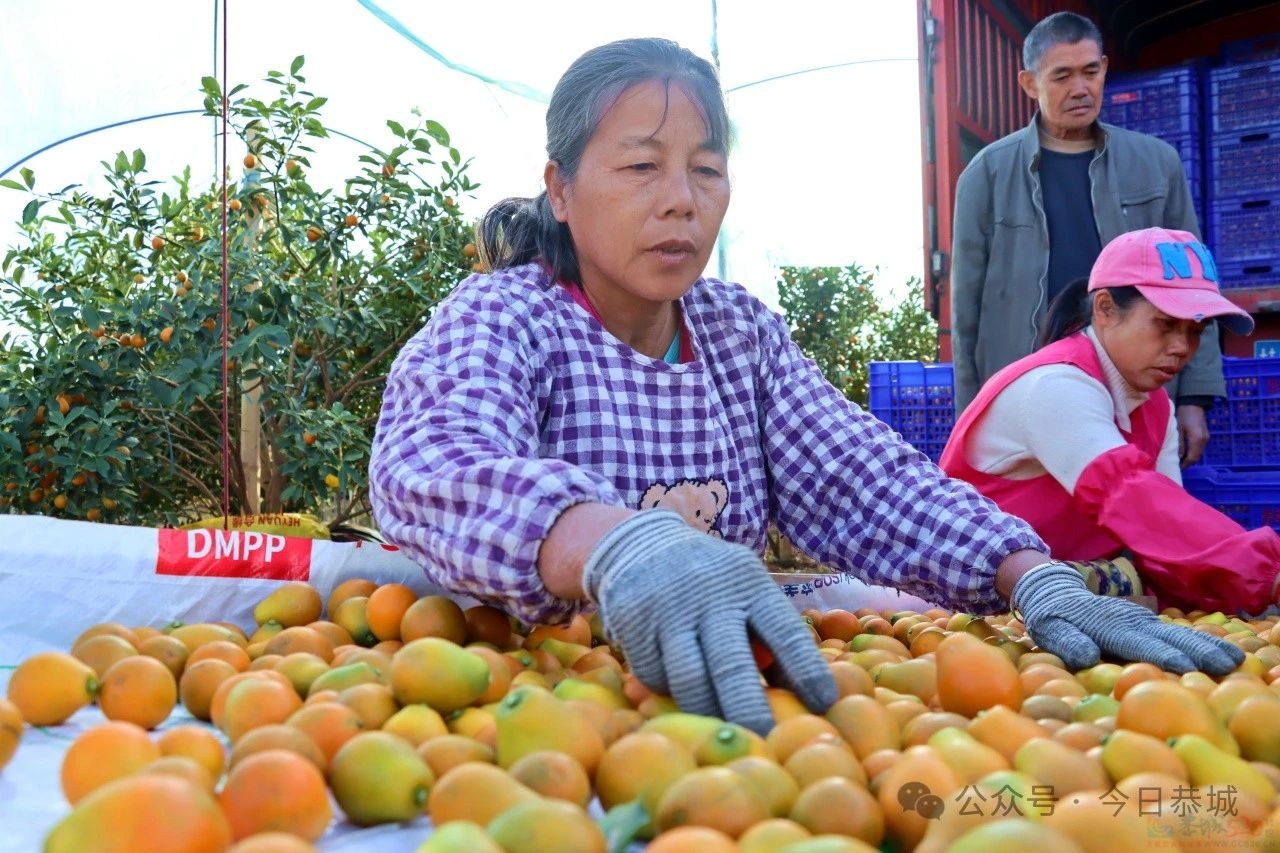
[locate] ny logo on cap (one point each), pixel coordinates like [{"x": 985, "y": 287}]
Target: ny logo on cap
[{"x": 1175, "y": 261}]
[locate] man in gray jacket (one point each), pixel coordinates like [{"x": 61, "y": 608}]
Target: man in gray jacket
[{"x": 1034, "y": 209}]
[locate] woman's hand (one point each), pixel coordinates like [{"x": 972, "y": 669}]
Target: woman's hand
[
  {"x": 1064, "y": 617},
  {"x": 680, "y": 604}
]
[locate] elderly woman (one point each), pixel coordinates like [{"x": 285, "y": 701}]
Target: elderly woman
[{"x": 595, "y": 423}]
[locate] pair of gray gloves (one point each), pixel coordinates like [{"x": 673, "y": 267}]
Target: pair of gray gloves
[{"x": 680, "y": 604}]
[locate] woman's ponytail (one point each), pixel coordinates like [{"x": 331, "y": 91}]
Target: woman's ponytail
[
  {"x": 1072, "y": 309},
  {"x": 1069, "y": 312},
  {"x": 518, "y": 231}
]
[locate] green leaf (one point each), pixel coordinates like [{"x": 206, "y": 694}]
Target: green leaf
[
  {"x": 30, "y": 211},
  {"x": 139, "y": 160},
  {"x": 315, "y": 104},
  {"x": 122, "y": 163},
  {"x": 296, "y": 65},
  {"x": 241, "y": 345},
  {"x": 621, "y": 824},
  {"x": 396, "y": 127},
  {"x": 437, "y": 131},
  {"x": 161, "y": 391},
  {"x": 13, "y": 185},
  {"x": 28, "y": 177},
  {"x": 209, "y": 85},
  {"x": 89, "y": 313},
  {"x": 268, "y": 334}
]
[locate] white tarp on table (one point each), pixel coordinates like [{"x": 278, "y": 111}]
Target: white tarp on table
[{"x": 61, "y": 576}]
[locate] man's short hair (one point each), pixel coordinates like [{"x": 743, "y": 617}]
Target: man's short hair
[{"x": 1058, "y": 28}]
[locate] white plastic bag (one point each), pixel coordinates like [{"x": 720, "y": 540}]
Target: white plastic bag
[{"x": 829, "y": 592}]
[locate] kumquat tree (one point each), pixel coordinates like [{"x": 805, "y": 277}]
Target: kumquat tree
[
  {"x": 111, "y": 337},
  {"x": 838, "y": 321}
]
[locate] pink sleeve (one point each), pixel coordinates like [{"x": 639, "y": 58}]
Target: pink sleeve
[{"x": 1187, "y": 551}]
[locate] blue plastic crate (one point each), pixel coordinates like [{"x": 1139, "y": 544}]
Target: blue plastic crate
[
  {"x": 1264, "y": 272},
  {"x": 1244, "y": 163},
  {"x": 1244, "y": 228},
  {"x": 1244, "y": 430},
  {"x": 1165, "y": 102},
  {"x": 1244, "y": 96},
  {"x": 1253, "y": 49},
  {"x": 916, "y": 399},
  {"x": 1251, "y": 498}
]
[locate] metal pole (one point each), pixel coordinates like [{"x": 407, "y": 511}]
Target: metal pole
[{"x": 722, "y": 256}]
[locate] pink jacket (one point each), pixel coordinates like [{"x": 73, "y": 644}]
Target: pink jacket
[{"x": 1189, "y": 554}]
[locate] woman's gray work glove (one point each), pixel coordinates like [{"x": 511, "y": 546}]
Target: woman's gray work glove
[
  {"x": 1064, "y": 617},
  {"x": 679, "y": 602}
]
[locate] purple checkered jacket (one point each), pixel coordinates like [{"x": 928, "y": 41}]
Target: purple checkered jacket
[{"x": 513, "y": 404}]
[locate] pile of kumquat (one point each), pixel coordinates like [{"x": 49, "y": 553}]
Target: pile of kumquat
[{"x": 952, "y": 733}]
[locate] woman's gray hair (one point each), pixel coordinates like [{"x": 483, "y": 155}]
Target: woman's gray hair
[
  {"x": 520, "y": 230},
  {"x": 1058, "y": 28}
]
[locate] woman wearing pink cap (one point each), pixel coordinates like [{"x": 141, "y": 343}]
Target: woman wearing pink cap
[{"x": 1078, "y": 438}]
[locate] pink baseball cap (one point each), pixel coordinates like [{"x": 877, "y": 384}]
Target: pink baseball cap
[{"x": 1174, "y": 271}]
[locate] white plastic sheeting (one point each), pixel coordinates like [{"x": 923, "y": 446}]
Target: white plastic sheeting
[{"x": 827, "y": 169}]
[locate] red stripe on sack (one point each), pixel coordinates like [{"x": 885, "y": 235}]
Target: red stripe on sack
[{"x": 233, "y": 554}]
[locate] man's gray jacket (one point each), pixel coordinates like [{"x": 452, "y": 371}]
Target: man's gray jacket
[{"x": 1000, "y": 250}]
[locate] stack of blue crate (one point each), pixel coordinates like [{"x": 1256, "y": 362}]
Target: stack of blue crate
[
  {"x": 1243, "y": 148},
  {"x": 1245, "y": 428},
  {"x": 1165, "y": 103},
  {"x": 1240, "y": 472}
]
